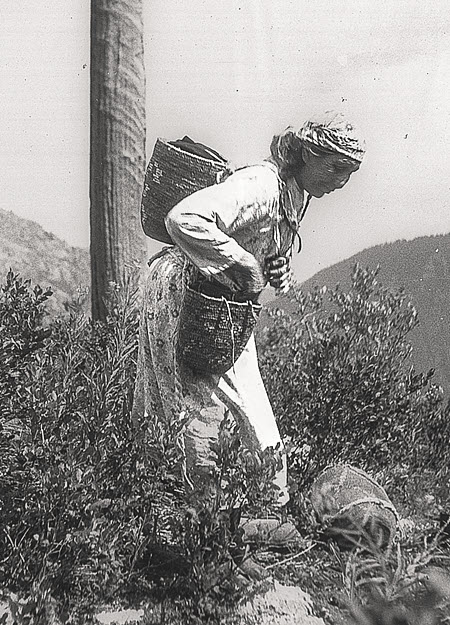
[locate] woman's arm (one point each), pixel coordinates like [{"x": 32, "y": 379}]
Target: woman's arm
[{"x": 202, "y": 224}]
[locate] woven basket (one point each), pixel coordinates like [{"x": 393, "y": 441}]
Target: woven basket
[
  {"x": 173, "y": 174},
  {"x": 213, "y": 332},
  {"x": 352, "y": 506}
]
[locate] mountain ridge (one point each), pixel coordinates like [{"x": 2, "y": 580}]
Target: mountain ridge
[
  {"x": 27, "y": 249},
  {"x": 421, "y": 267}
]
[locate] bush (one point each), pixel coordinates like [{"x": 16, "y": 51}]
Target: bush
[
  {"x": 78, "y": 492},
  {"x": 337, "y": 368},
  {"x": 93, "y": 507},
  {"x": 21, "y": 335}
]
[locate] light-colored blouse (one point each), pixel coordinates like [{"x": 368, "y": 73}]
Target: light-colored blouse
[{"x": 246, "y": 213}]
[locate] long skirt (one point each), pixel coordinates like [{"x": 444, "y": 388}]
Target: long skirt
[{"x": 164, "y": 387}]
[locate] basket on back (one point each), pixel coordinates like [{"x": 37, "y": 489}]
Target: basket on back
[
  {"x": 176, "y": 169},
  {"x": 352, "y": 505}
]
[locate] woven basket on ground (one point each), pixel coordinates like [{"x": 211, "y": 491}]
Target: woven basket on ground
[
  {"x": 352, "y": 505},
  {"x": 173, "y": 174},
  {"x": 213, "y": 331}
]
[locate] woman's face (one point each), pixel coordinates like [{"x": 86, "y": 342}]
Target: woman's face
[{"x": 324, "y": 173}]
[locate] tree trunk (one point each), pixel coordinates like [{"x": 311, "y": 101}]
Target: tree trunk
[{"x": 117, "y": 163}]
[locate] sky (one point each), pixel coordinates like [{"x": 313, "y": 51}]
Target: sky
[{"x": 231, "y": 74}]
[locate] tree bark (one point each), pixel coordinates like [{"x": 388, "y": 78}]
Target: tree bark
[{"x": 117, "y": 144}]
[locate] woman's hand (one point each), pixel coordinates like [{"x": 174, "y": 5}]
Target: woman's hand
[
  {"x": 278, "y": 273},
  {"x": 247, "y": 276}
]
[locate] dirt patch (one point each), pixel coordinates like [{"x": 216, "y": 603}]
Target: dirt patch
[
  {"x": 280, "y": 605},
  {"x": 120, "y": 617}
]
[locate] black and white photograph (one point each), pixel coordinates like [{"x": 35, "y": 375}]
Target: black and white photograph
[{"x": 225, "y": 312}]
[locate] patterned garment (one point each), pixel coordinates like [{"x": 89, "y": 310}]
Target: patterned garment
[{"x": 211, "y": 229}]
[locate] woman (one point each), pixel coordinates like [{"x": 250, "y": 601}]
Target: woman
[{"x": 226, "y": 234}]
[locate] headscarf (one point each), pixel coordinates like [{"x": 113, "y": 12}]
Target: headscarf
[
  {"x": 328, "y": 133},
  {"x": 332, "y": 132}
]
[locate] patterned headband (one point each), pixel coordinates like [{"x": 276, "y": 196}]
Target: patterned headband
[{"x": 334, "y": 133}]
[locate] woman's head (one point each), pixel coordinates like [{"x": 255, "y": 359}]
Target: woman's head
[{"x": 321, "y": 155}]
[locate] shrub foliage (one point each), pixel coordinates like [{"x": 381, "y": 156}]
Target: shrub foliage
[
  {"x": 338, "y": 371},
  {"x": 93, "y": 506}
]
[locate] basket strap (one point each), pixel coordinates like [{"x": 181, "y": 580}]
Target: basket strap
[
  {"x": 225, "y": 173},
  {"x": 230, "y": 318},
  {"x": 252, "y": 310},
  {"x": 159, "y": 254},
  {"x": 363, "y": 500}
]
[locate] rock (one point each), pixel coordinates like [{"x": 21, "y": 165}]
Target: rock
[
  {"x": 5, "y": 614},
  {"x": 279, "y": 605},
  {"x": 119, "y": 617},
  {"x": 269, "y": 532}
]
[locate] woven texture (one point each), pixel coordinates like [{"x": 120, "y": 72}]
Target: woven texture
[
  {"x": 347, "y": 500},
  {"x": 213, "y": 332},
  {"x": 173, "y": 174}
]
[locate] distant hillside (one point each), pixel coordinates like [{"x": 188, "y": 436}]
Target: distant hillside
[
  {"x": 422, "y": 268},
  {"x": 46, "y": 260}
]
